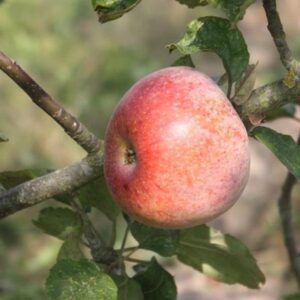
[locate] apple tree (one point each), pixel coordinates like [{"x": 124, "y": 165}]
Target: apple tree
[{"x": 90, "y": 266}]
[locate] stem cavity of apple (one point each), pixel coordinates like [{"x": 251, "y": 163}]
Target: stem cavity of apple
[{"x": 130, "y": 156}]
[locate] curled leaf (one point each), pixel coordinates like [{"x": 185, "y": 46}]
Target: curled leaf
[{"x": 109, "y": 10}]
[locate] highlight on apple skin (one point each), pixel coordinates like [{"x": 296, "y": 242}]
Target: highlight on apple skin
[{"x": 176, "y": 152}]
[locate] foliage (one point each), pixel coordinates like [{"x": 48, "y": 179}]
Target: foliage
[
  {"x": 96, "y": 194},
  {"x": 156, "y": 283},
  {"x": 292, "y": 297},
  {"x": 81, "y": 279},
  {"x": 164, "y": 242},
  {"x": 128, "y": 288},
  {"x": 216, "y": 255},
  {"x": 216, "y": 35},
  {"x": 219, "y": 256},
  {"x": 235, "y": 10},
  {"x": 59, "y": 222},
  {"x": 109, "y": 10},
  {"x": 185, "y": 60},
  {"x": 283, "y": 146}
]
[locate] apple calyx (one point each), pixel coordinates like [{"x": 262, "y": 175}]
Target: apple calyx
[{"x": 130, "y": 156}]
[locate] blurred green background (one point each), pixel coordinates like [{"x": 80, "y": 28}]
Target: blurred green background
[{"x": 88, "y": 67}]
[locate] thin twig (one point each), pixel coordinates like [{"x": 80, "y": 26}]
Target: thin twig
[
  {"x": 99, "y": 251},
  {"x": 125, "y": 238},
  {"x": 76, "y": 130},
  {"x": 132, "y": 252},
  {"x": 85, "y": 219},
  {"x": 113, "y": 233},
  {"x": 285, "y": 207},
  {"x": 135, "y": 260},
  {"x": 121, "y": 251},
  {"x": 276, "y": 29},
  {"x": 56, "y": 183},
  {"x": 129, "y": 249}
]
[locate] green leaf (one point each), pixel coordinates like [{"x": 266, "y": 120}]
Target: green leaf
[
  {"x": 70, "y": 248},
  {"x": 65, "y": 198},
  {"x": 11, "y": 179},
  {"x": 164, "y": 242},
  {"x": 219, "y": 256},
  {"x": 3, "y": 138},
  {"x": 109, "y": 10},
  {"x": 128, "y": 288},
  {"x": 235, "y": 10},
  {"x": 185, "y": 60},
  {"x": 78, "y": 280},
  {"x": 58, "y": 222},
  {"x": 283, "y": 146},
  {"x": 193, "y": 3},
  {"x": 156, "y": 282},
  {"x": 286, "y": 111},
  {"x": 96, "y": 194},
  {"x": 219, "y": 36},
  {"x": 292, "y": 297}
]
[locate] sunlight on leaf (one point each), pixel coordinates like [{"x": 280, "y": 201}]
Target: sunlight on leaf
[
  {"x": 213, "y": 34},
  {"x": 219, "y": 256},
  {"x": 78, "y": 280}
]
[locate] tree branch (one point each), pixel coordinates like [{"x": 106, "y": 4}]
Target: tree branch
[
  {"x": 76, "y": 130},
  {"x": 42, "y": 188},
  {"x": 271, "y": 96},
  {"x": 285, "y": 207},
  {"x": 276, "y": 29}
]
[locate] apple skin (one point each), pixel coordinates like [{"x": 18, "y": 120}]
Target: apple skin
[{"x": 176, "y": 152}]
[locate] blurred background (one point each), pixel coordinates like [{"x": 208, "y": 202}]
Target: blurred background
[{"x": 88, "y": 67}]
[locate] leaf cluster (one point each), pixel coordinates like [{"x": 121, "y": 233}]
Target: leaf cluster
[{"x": 208, "y": 251}]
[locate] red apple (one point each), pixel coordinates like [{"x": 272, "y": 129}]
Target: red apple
[{"x": 176, "y": 152}]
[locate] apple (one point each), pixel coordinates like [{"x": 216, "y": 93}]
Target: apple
[{"x": 176, "y": 152}]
